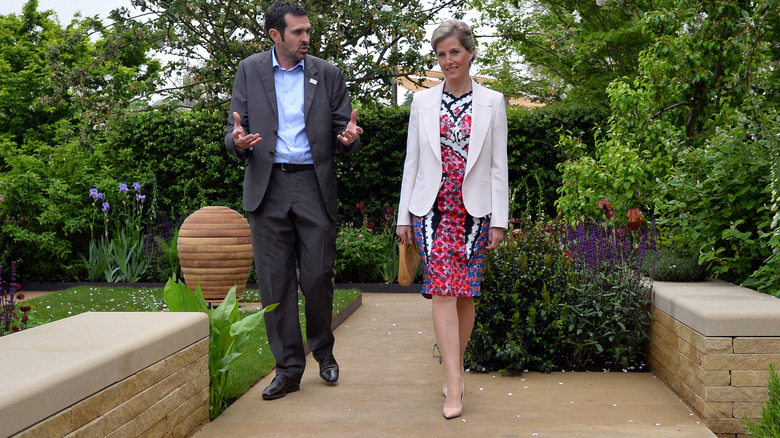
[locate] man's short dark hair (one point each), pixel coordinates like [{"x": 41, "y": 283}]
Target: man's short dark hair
[{"x": 274, "y": 16}]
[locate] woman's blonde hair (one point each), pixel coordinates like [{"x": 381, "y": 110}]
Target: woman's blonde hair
[{"x": 458, "y": 29}]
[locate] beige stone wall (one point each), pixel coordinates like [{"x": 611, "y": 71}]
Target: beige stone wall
[
  {"x": 169, "y": 398},
  {"x": 723, "y": 379}
]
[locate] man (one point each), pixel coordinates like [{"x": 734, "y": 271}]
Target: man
[{"x": 289, "y": 113}]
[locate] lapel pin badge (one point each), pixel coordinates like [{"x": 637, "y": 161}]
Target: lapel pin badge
[{"x": 313, "y": 81}]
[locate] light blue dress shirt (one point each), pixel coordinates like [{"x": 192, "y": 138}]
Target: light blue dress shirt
[{"x": 292, "y": 145}]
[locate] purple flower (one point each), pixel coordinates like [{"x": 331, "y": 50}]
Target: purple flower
[
  {"x": 100, "y": 196},
  {"x": 140, "y": 197},
  {"x": 123, "y": 188},
  {"x": 93, "y": 193},
  {"x": 137, "y": 187},
  {"x": 105, "y": 207}
]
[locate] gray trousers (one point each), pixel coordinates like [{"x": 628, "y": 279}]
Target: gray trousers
[{"x": 290, "y": 229}]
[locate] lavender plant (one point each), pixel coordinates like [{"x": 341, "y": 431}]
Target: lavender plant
[
  {"x": 609, "y": 298},
  {"x": 565, "y": 297},
  {"x": 13, "y": 317}
]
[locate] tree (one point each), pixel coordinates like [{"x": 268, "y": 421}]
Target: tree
[
  {"x": 50, "y": 74},
  {"x": 24, "y": 76},
  {"x": 690, "y": 137},
  {"x": 58, "y": 89},
  {"x": 372, "y": 41},
  {"x": 574, "y": 48}
]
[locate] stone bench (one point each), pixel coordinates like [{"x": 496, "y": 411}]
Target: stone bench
[
  {"x": 106, "y": 374},
  {"x": 712, "y": 342}
]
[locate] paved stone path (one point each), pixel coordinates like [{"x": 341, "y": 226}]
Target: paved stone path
[{"x": 390, "y": 386}]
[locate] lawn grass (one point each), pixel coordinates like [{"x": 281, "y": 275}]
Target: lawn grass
[{"x": 256, "y": 362}]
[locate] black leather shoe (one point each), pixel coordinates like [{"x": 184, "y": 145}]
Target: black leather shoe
[
  {"x": 279, "y": 387},
  {"x": 329, "y": 370}
]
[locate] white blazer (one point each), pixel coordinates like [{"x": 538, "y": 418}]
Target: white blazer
[{"x": 486, "y": 181}]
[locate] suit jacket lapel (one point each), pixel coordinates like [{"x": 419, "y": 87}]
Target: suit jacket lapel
[
  {"x": 431, "y": 110},
  {"x": 265, "y": 71},
  {"x": 310, "y": 81},
  {"x": 480, "y": 123}
]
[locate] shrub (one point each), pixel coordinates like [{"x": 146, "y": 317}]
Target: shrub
[
  {"x": 672, "y": 265},
  {"x": 360, "y": 253},
  {"x": 556, "y": 297},
  {"x": 609, "y": 298},
  {"x": 521, "y": 318}
]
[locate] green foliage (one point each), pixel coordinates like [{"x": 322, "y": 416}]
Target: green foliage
[
  {"x": 184, "y": 156},
  {"x": 769, "y": 424},
  {"x": 228, "y": 334},
  {"x": 521, "y": 318},
  {"x": 561, "y": 298},
  {"x": 574, "y": 49},
  {"x": 533, "y": 153},
  {"x": 361, "y": 254},
  {"x": 98, "y": 262},
  {"x": 169, "y": 265},
  {"x": 687, "y": 136},
  {"x": 609, "y": 315},
  {"x": 717, "y": 199},
  {"x": 674, "y": 266},
  {"x": 373, "y": 175},
  {"x": 45, "y": 212},
  {"x": 371, "y": 41},
  {"x": 80, "y": 74}
]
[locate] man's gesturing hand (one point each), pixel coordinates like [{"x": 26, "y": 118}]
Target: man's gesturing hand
[
  {"x": 241, "y": 140},
  {"x": 353, "y": 130}
]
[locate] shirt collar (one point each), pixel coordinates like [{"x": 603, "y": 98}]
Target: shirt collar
[{"x": 275, "y": 63}]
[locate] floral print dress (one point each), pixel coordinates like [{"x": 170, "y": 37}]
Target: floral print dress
[{"x": 452, "y": 243}]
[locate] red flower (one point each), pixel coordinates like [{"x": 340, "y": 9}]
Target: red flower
[
  {"x": 567, "y": 254},
  {"x": 635, "y": 219},
  {"x": 360, "y": 206},
  {"x": 606, "y": 207},
  {"x": 389, "y": 210},
  {"x": 25, "y": 309},
  {"x": 370, "y": 225}
]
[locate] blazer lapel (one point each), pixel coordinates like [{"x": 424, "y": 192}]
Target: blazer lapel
[
  {"x": 481, "y": 112},
  {"x": 431, "y": 110},
  {"x": 265, "y": 71},
  {"x": 310, "y": 81}
]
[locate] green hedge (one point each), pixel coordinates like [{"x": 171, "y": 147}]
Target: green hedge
[
  {"x": 373, "y": 176},
  {"x": 179, "y": 158}
]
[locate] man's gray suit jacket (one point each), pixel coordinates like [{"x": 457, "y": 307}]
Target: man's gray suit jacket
[{"x": 327, "y": 112}]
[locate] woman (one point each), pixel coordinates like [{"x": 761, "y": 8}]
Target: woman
[{"x": 454, "y": 194}]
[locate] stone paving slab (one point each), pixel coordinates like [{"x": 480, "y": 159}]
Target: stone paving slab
[{"x": 390, "y": 386}]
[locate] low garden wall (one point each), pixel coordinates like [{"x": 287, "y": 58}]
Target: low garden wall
[
  {"x": 712, "y": 342},
  {"x": 117, "y": 374}
]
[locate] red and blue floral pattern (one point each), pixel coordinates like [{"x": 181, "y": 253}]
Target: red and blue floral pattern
[{"x": 452, "y": 243}]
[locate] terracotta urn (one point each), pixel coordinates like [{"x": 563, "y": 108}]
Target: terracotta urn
[{"x": 215, "y": 249}]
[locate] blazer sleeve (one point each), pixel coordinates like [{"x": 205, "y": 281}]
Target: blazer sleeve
[
  {"x": 238, "y": 103},
  {"x": 342, "y": 112},
  {"x": 499, "y": 168},
  {"x": 411, "y": 164}
]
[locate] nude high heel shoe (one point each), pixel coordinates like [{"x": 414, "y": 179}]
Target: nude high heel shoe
[{"x": 450, "y": 413}]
